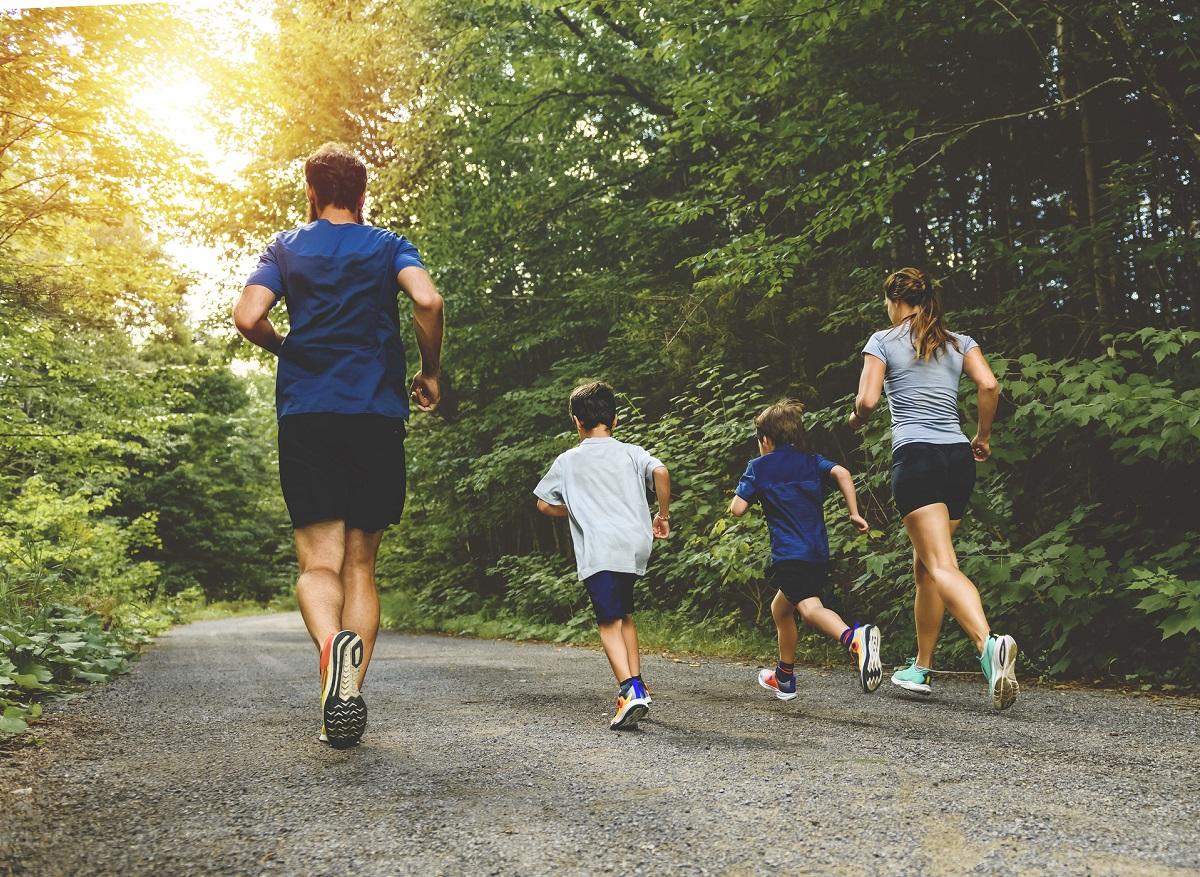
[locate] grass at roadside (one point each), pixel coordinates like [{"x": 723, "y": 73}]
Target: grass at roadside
[
  {"x": 60, "y": 648},
  {"x": 658, "y": 632}
]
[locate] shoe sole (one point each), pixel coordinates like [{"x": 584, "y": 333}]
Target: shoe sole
[
  {"x": 1004, "y": 661},
  {"x": 781, "y": 695},
  {"x": 342, "y": 706},
  {"x": 914, "y": 687},
  {"x": 633, "y": 714},
  {"x": 870, "y": 670}
]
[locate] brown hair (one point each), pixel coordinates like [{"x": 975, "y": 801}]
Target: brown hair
[
  {"x": 783, "y": 423},
  {"x": 337, "y": 177},
  {"x": 594, "y": 404},
  {"x": 913, "y": 286}
]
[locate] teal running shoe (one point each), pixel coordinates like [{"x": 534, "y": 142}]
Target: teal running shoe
[
  {"x": 999, "y": 663},
  {"x": 913, "y": 678}
]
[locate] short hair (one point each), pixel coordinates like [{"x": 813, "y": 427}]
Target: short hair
[
  {"x": 594, "y": 404},
  {"x": 783, "y": 423},
  {"x": 337, "y": 177}
]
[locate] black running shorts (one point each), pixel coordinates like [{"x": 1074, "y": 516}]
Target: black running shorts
[
  {"x": 924, "y": 474},
  {"x": 799, "y": 579},
  {"x": 342, "y": 467}
]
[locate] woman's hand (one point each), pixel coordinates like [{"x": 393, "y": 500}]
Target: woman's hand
[
  {"x": 860, "y": 523},
  {"x": 661, "y": 526},
  {"x": 980, "y": 449},
  {"x": 856, "y": 422}
]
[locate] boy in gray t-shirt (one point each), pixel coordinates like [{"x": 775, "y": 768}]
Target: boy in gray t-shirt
[{"x": 601, "y": 486}]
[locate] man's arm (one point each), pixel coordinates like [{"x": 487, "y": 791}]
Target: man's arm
[
  {"x": 429, "y": 326},
  {"x": 870, "y": 387},
  {"x": 662, "y": 490},
  {"x": 250, "y": 317},
  {"x": 845, "y": 483},
  {"x": 738, "y": 506}
]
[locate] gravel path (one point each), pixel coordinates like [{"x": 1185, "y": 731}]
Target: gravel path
[{"x": 495, "y": 758}]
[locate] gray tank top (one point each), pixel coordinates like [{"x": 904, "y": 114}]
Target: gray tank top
[{"x": 923, "y": 396}]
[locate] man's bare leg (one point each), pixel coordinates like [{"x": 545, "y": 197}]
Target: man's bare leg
[
  {"x": 321, "y": 550},
  {"x": 360, "y": 613}
]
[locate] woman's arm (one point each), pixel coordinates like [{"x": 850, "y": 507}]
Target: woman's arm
[
  {"x": 978, "y": 370},
  {"x": 870, "y": 387},
  {"x": 738, "y": 506}
]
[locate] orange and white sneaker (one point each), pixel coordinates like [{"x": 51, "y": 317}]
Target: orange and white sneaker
[
  {"x": 768, "y": 680},
  {"x": 343, "y": 710},
  {"x": 864, "y": 645},
  {"x": 632, "y": 706}
]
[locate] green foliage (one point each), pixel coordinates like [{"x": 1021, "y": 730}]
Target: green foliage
[{"x": 698, "y": 202}]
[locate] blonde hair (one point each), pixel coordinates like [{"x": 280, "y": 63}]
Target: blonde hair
[
  {"x": 783, "y": 423},
  {"x": 913, "y": 287}
]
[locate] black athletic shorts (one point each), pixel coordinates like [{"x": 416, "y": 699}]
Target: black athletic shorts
[
  {"x": 342, "y": 467},
  {"x": 799, "y": 579},
  {"x": 924, "y": 474}
]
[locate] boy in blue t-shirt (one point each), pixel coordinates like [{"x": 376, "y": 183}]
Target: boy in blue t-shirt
[{"x": 790, "y": 484}]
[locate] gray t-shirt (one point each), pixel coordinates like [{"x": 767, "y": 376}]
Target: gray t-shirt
[
  {"x": 603, "y": 484},
  {"x": 923, "y": 396}
]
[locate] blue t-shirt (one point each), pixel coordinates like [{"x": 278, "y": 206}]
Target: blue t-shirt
[
  {"x": 790, "y": 484},
  {"x": 922, "y": 395},
  {"x": 344, "y": 353}
]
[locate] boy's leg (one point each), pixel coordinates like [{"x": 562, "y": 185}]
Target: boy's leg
[
  {"x": 782, "y": 610},
  {"x": 632, "y": 655},
  {"x": 612, "y": 638},
  {"x": 815, "y": 614}
]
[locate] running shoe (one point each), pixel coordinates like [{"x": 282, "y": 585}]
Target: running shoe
[
  {"x": 343, "y": 710},
  {"x": 864, "y": 643},
  {"x": 782, "y": 690},
  {"x": 913, "y": 678},
  {"x": 999, "y": 662},
  {"x": 632, "y": 706}
]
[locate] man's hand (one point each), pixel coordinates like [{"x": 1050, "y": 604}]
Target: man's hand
[
  {"x": 981, "y": 449},
  {"x": 425, "y": 391},
  {"x": 661, "y": 527},
  {"x": 860, "y": 523}
]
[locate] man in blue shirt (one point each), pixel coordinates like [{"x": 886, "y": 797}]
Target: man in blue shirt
[{"x": 342, "y": 402}]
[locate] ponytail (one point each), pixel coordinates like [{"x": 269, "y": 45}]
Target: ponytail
[{"x": 913, "y": 287}]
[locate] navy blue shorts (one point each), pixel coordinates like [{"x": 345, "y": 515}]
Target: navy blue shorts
[
  {"x": 611, "y": 593},
  {"x": 925, "y": 474},
  {"x": 799, "y": 579}
]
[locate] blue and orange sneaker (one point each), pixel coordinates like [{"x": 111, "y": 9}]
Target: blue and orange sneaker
[
  {"x": 632, "y": 706},
  {"x": 769, "y": 680},
  {"x": 343, "y": 710}
]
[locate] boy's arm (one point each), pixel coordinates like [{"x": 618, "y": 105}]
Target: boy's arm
[
  {"x": 845, "y": 483},
  {"x": 554, "y": 511},
  {"x": 661, "y": 526},
  {"x": 738, "y": 506}
]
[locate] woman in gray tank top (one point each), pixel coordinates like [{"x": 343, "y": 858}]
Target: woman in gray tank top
[{"x": 919, "y": 362}]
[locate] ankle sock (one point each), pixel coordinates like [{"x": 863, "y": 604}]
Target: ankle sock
[
  {"x": 847, "y": 635},
  {"x": 783, "y": 671}
]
